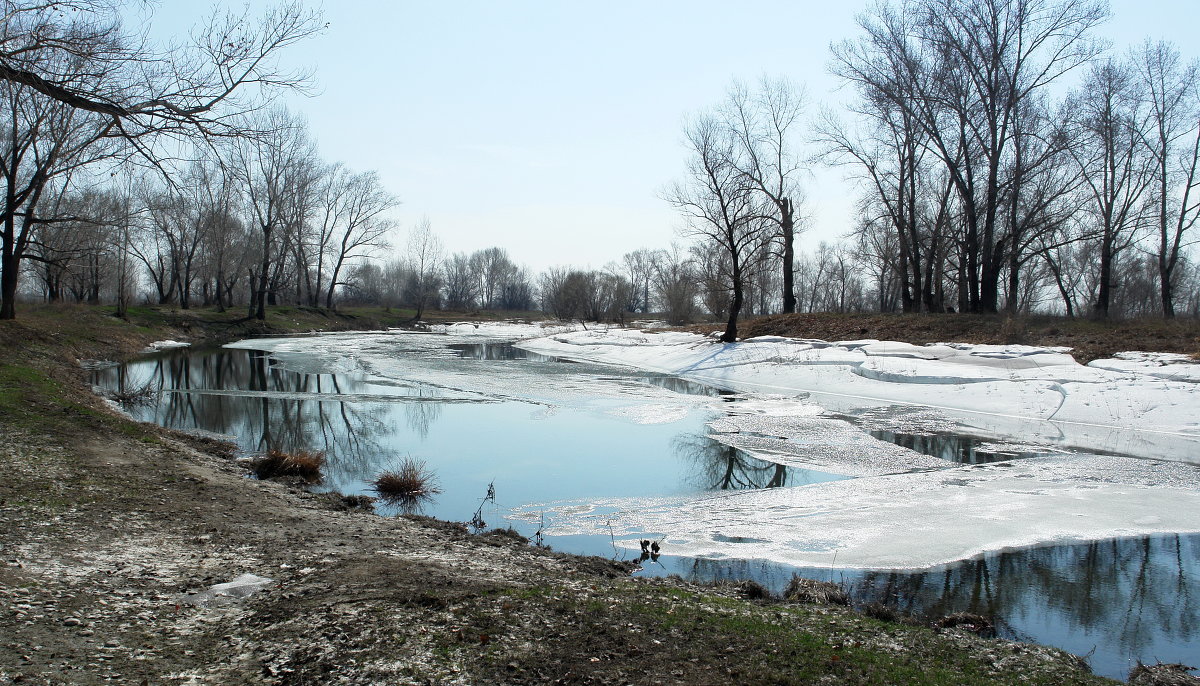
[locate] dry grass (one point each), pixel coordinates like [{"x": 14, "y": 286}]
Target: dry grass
[
  {"x": 302, "y": 464},
  {"x": 411, "y": 481},
  {"x": 1162, "y": 675},
  {"x": 817, "y": 592},
  {"x": 976, "y": 624},
  {"x": 137, "y": 395}
]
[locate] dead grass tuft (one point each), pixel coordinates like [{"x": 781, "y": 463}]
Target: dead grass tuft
[
  {"x": 302, "y": 464},
  {"x": 800, "y": 590},
  {"x": 411, "y": 481},
  {"x": 976, "y": 624},
  {"x": 752, "y": 590},
  {"x": 880, "y": 611},
  {"x": 1162, "y": 675}
]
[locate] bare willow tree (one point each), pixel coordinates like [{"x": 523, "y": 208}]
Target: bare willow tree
[
  {"x": 721, "y": 208},
  {"x": 764, "y": 124},
  {"x": 1169, "y": 87},
  {"x": 275, "y": 171},
  {"x": 351, "y": 222},
  {"x": 76, "y": 80}
]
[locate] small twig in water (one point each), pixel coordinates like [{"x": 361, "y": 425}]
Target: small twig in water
[
  {"x": 538, "y": 536},
  {"x": 477, "y": 522}
]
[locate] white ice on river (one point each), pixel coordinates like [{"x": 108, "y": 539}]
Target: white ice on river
[
  {"x": 1119, "y": 439},
  {"x": 906, "y": 510}
]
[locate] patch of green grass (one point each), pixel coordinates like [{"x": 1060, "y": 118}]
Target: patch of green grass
[{"x": 30, "y": 400}]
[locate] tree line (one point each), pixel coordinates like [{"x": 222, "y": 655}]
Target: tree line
[
  {"x": 990, "y": 181},
  {"x": 1007, "y": 159}
]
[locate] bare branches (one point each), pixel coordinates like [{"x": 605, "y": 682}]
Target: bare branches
[
  {"x": 79, "y": 54},
  {"x": 722, "y": 205}
]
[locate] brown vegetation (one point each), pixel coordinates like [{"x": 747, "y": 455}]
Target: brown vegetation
[
  {"x": 302, "y": 464},
  {"x": 801, "y": 590},
  {"x": 1162, "y": 675},
  {"x": 412, "y": 480}
]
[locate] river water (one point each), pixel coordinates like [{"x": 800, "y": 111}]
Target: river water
[{"x": 539, "y": 431}]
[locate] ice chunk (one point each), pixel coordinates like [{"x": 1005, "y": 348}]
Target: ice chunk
[
  {"x": 227, "y": 593},
  {"x": 164, "y": 345}
]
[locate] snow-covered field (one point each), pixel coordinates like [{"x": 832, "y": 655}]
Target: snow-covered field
[{"x": 906, "y": 510}]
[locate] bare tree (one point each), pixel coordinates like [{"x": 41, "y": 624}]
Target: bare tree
[
  {"x": 425, "y": 264},
  {"x": 639, "y": 270},
  {"x": 1169, "y": 88},
  {"x": 462, "y": 288},
  {"x": 675, "y": 284},
  {"x": 963, "y": 72},
  {"x": 73, "y": 81},
  {"x": 200, "y": 88},
  {"x": 45, "y": 143},
  {"x": 274, "y": 171},
  {"x": 721, "y": 208},
  {"x": 764, "y": 124},
  {"x": 1115, "y": 165},
  {"x": 352, "y": 221}
]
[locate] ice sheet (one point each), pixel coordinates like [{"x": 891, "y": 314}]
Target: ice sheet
[
  {"x": 1136, "y": 404},
  {"x": 906, "y": 521},
  {"x": 399, "y": 364}
]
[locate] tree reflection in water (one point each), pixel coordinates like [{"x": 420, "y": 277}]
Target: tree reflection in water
[
  {"x": 724, "y": 468},
  {"x": 279, "y": 409},
  {"x": 1129, "y": 598}
]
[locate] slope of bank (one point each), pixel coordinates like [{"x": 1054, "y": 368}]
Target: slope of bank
[
  {"x": 106, "y": 526},
  {"x": 1088, "y": 339}
]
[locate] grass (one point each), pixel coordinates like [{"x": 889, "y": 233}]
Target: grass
[
  {"x": 303, "y": 464},
  {"x": 412, "y": 480},
  {"x": 706, "y": 637}
]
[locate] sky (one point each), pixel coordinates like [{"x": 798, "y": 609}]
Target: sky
[{"x": 552, "y": 128}]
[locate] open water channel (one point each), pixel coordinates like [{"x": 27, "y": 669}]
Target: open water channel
[{"x": 542, "y": 431}]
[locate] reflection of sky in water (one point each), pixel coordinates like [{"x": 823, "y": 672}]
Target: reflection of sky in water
[{"x": 1124, "y": 599}]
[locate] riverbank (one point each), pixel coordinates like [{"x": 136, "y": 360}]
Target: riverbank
[{"x": 107, "y": 525}]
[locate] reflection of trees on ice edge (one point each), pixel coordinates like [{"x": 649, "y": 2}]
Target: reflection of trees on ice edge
[{"x": 1128, "y": 596}]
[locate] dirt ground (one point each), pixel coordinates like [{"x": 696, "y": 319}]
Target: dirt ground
[
  {"x": 107, "y": 527},
  {"x": 1088, "y": 339}
]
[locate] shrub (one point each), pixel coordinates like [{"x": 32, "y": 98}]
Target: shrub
[{"x": 302, "y": 464}]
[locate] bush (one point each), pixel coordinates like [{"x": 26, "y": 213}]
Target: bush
[{"x": 302, "y": 464}]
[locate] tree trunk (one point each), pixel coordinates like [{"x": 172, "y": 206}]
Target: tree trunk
[
  {"x": 735, "y": 307},
  {"x": 260, "y": 311},
  {"x": 789, "y": 257},
  {"x": 1104, "y": 297}
]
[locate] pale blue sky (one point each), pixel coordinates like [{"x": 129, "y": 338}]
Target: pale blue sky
[{"x": 550, "y": 128}]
